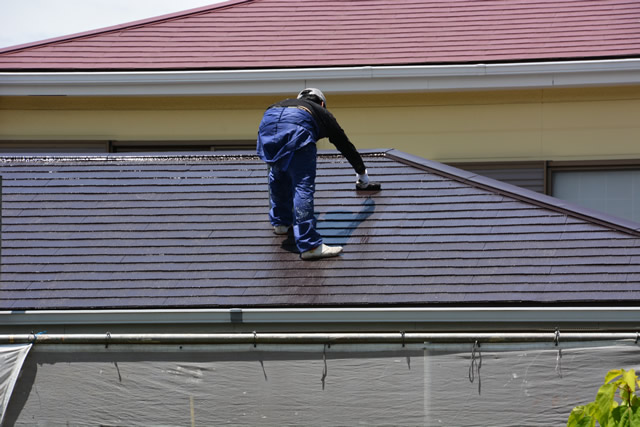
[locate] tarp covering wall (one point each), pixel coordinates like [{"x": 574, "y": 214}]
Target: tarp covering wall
[
  {"x": 319, "y": 386},
  {"x": 11, "y": 359}
]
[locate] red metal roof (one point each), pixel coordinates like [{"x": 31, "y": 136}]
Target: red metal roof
[{"x": 298, "y": 33}]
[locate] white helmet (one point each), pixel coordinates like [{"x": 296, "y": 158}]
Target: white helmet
[{"x": 310, "y": 92}]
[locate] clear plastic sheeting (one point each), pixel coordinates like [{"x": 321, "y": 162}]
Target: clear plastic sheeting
[
  {"x": 320, "y": 386},
  {"x": 11, "y": 359}
]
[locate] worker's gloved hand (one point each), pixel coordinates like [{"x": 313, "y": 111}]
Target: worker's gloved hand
[
  {"x": 363, "y": 179},
  {"x": 363, "y": 183}
]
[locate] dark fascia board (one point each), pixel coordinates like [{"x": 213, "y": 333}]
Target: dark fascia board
[{"x": 518, "y": 193}]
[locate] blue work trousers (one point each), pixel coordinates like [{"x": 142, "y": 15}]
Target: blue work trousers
[{"x": 291, "y": 191}]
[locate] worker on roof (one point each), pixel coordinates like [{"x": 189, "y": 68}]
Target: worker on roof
[{"x": 287, "y": 143}]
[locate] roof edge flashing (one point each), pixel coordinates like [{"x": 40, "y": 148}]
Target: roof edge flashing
[
  {"x": 520, "y": 193},
  {"x": 365, "y": 79}
]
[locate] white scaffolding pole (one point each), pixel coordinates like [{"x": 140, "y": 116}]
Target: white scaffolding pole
[{"x": 319, "y": 338}]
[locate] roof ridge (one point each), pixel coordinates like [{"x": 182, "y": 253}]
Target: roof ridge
[
  {"x": 117, "y": 27},
  {"x": 520, "y": 193}
]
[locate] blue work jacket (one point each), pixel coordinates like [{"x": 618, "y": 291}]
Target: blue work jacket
[{"x": 292, "y": 124}]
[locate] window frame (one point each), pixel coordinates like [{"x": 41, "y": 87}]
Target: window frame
[
  {"x": 585, "y": 165},
  {"x": 501, "y": 165}
]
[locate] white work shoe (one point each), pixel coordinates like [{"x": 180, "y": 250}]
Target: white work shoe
[
  {"x": 281, "y": 229},
  {"x": 322, "y": 251}
]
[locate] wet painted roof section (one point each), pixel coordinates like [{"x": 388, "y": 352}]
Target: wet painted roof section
[
  {"x": 296, "y": 33},
  {"x": 162, "y": 231}
]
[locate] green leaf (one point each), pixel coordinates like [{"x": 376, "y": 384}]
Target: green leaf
[
  {"x": 574, "y": 417},
  {"x": 579, "y": 417},
  {"x": 604, "y": 402},
  {"x": 635, "y": 402},
  {"x": 630, "y": 378},
  {"x": 612, "y": 374},
  {"x": 620, "y": 417},
  {"x": 635, "y": 419},
  {"x": 586, "y": 422},
  {"x": 606, "y": 411}
]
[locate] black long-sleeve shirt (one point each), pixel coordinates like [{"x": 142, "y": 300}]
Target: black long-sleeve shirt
[{"x": 328, "y": 127}]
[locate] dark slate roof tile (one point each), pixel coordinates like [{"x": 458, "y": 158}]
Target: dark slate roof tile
[{"x": 188, "y": 231}]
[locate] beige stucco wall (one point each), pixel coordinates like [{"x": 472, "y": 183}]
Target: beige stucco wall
[{"x": 549, "y": 124}]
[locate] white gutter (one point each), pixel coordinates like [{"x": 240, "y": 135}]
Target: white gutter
[
  {"x": 501, "y": 317},
  {"x": 369, "y": 79}
]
